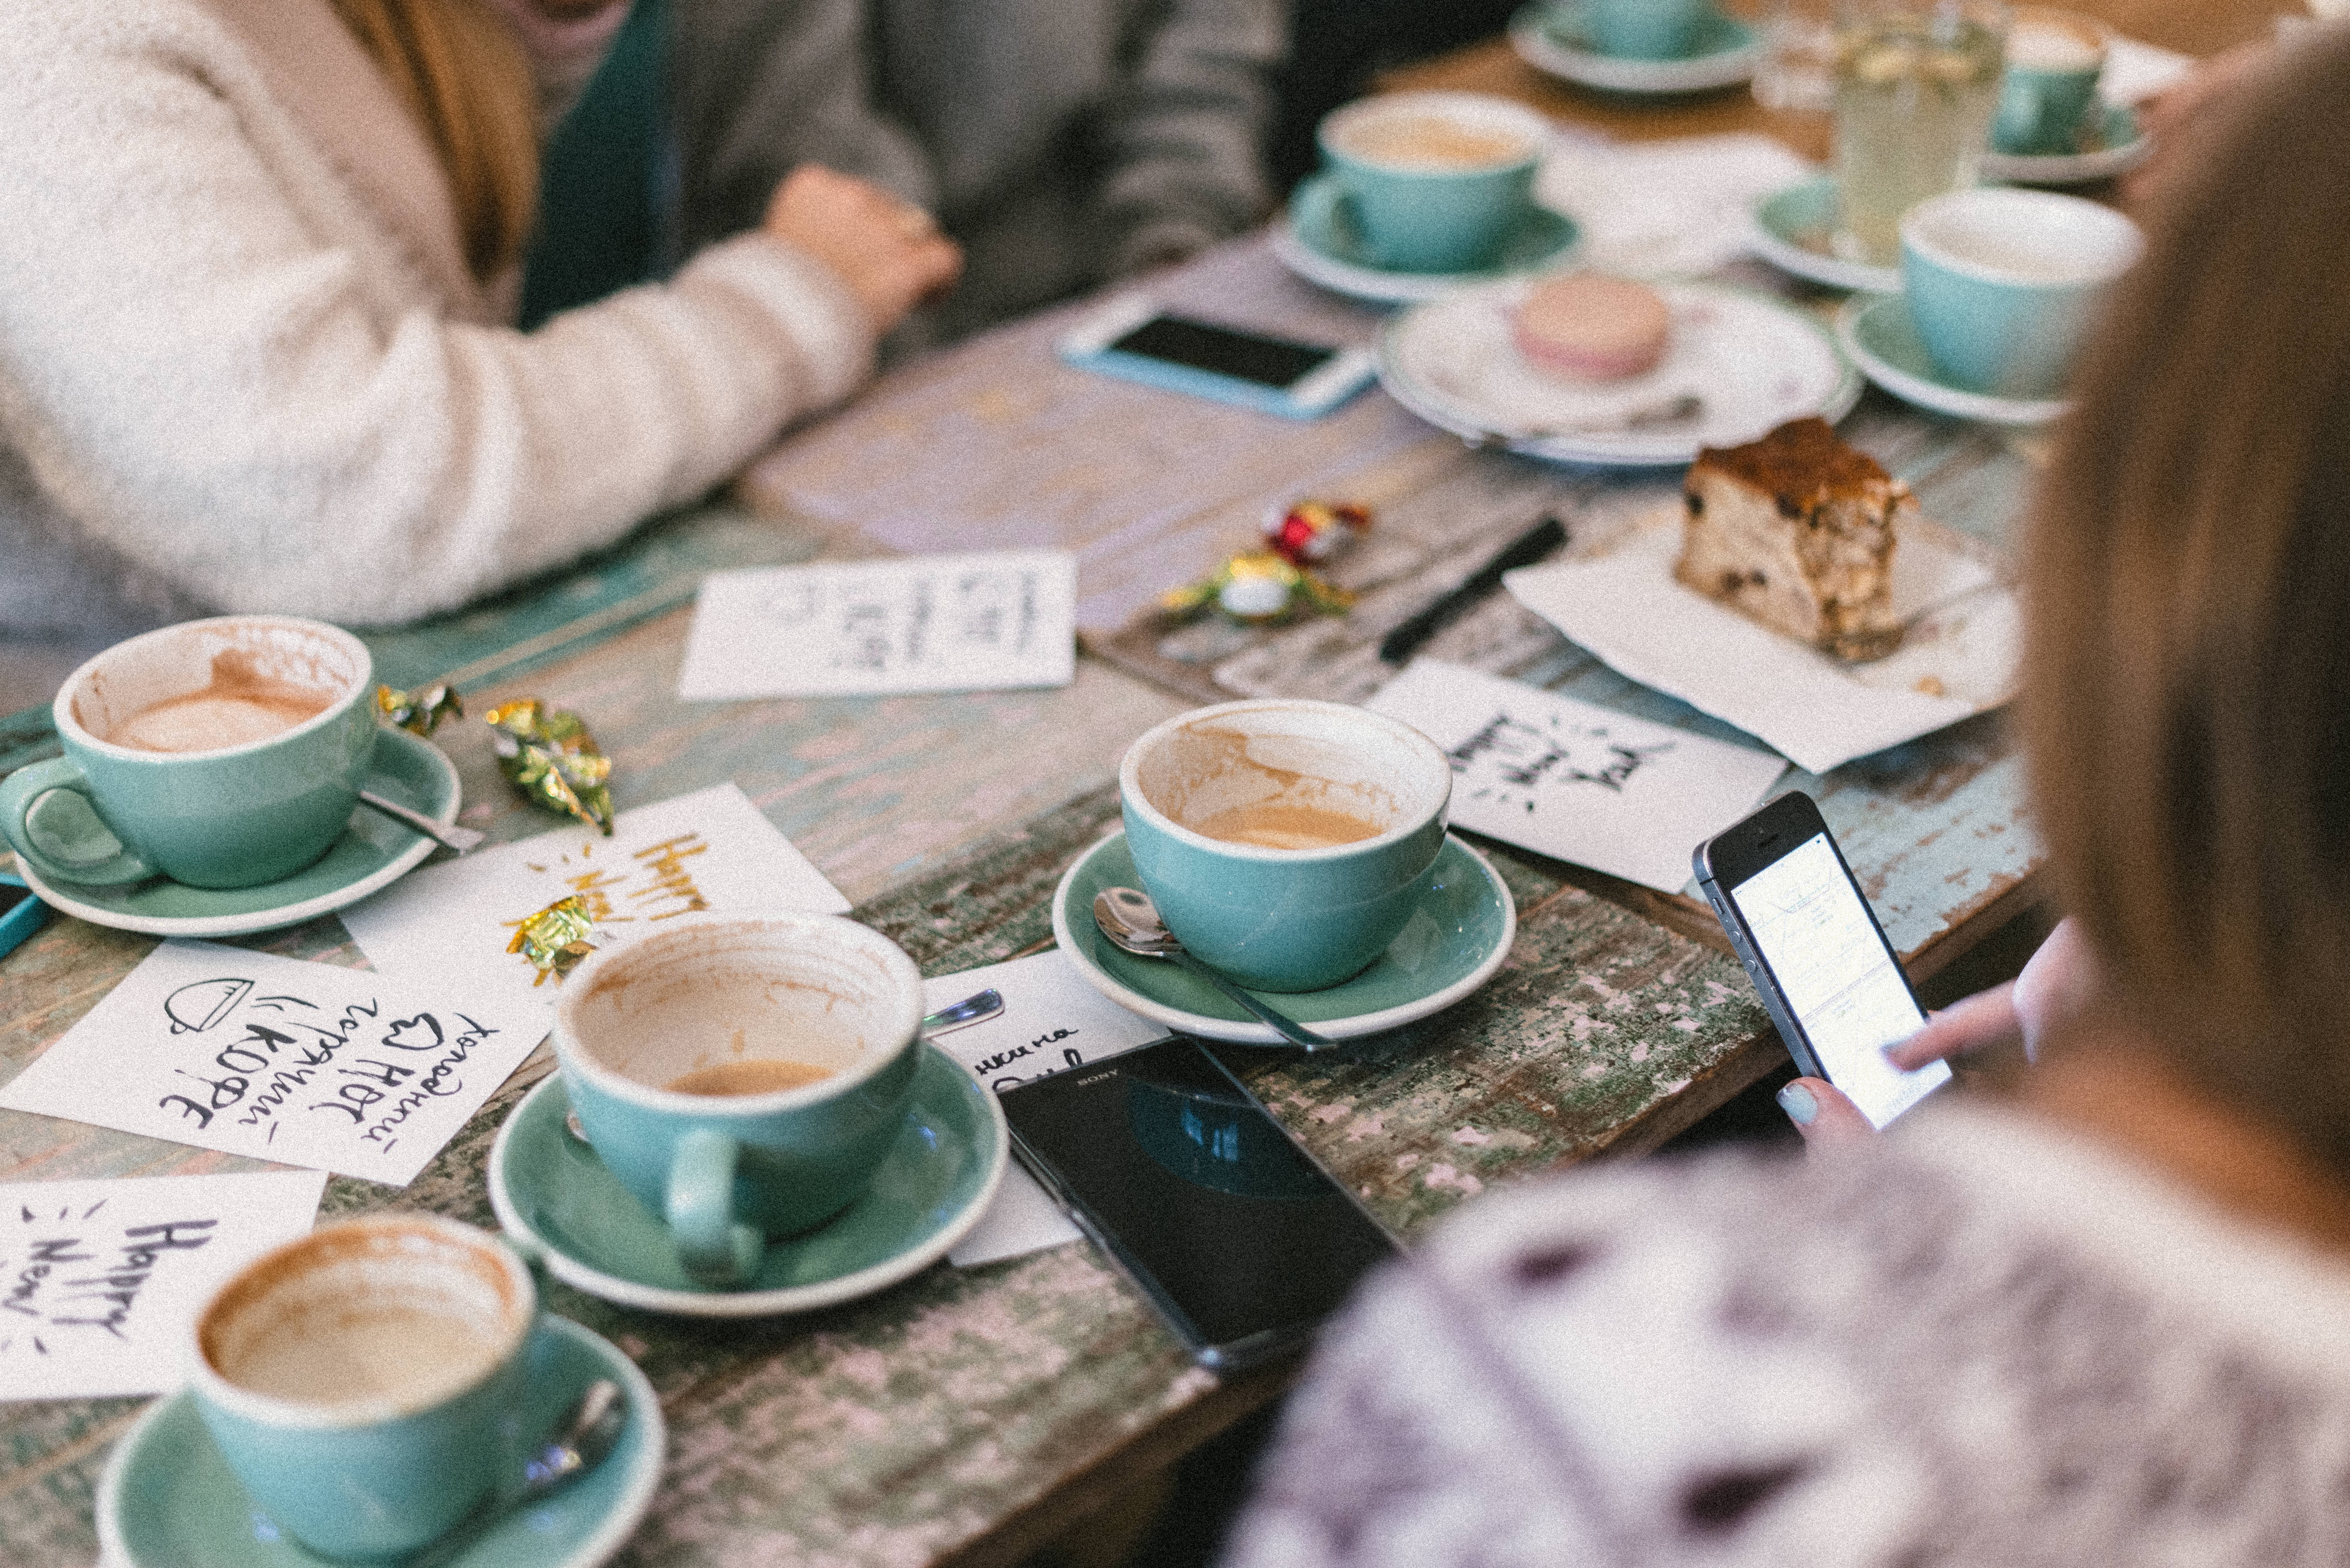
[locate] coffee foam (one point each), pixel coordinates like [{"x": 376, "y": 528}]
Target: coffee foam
[
  {"x": 252, "y": 679},
  {"x": 1425, "y": 139},
  {"x": 659, "y": 1025},
  {"x": 1210, "y": 774},
  {"x": 2051, "y": 44}
]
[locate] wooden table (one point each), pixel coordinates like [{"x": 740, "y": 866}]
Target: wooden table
[{"x": 969, "y": 1414}]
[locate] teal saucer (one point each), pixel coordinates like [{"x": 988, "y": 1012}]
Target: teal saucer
[
  {"x": 1321, "y": 241},
  {"x": 2121, "y": 144},
  {"x": 1882, "y": 339},
  {"x": 373, "y": 852},
  {"x": 1551, "y": 38},
  {"x": 1455, "y": 941},
  {"x": 167, "y": 1500},
  {"x": 553, "y": 1196},
  {"x": 1790, "y": 228}
]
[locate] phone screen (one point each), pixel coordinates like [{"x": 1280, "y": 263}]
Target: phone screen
[
  {"x": 1244, "y": 356},
  {"x": 13, "y": 894},
  {"x": 1838, "y": 976},
  {"x": 1198, "y": 1193}
]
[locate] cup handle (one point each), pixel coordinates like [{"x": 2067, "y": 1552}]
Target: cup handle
[
  {"x": 23, "y": 790},
  {"x": 715, "y": 1250}
]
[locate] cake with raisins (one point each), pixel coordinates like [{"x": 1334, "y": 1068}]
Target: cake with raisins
[{"x": 1796, "y": 531}]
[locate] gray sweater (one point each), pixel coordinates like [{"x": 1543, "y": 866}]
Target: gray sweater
[{"x": 1062, "y": 143}]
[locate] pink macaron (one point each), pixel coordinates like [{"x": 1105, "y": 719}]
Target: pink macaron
[{"x": 1588, "y": 327}]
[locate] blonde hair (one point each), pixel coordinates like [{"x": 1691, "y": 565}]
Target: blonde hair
[{"x": 466, "y": 80}]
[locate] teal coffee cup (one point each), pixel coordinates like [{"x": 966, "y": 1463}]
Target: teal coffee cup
[
  {"x": 1436, "y": 181},
  {"x": 365, "y": 1382},
  {"x": 219, "y": 753},
  {"x": 742, "y": 1075},
  {"x": 1285, "y": 842},
  {"x": 2054, "y": 59},
  {"x": 2003, "y": 284},
  {"x": 1644, "y": 29}
]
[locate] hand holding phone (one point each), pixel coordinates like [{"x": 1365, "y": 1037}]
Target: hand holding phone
[{"x": 1832, "y": 983}]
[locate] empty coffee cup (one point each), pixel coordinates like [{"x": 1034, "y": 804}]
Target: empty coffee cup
[
  {"x": 1437, "y": 181},
  {"x": 365, "y": 1381},
  {"x": 2003, "y": 284},
  {"x": 742, "y": 1075},
  {"x": 220, "y": 754},
  {"x": 1285, "y": 842},
  {"x": 2054, "y": 59}
]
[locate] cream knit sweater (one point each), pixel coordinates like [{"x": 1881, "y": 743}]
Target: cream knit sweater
[{"x": 243, "y": 366}]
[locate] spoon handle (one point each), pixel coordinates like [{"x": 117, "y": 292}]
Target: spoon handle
[
  {"x": 1289, "y": 1029},
  {"x": 450, "y": 834}
]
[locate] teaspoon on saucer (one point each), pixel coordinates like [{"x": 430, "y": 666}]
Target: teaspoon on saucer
[
  {"x": 446, "y": 833},
  {"x": 1130, "y": 920},
  {"x": 589, "y": 1432}
]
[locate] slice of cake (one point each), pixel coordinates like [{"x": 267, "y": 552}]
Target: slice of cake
[{"x": 1796, "y": 531}]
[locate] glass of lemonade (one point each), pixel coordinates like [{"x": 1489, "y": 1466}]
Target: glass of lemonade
[{"x": 1917, "y": 84}]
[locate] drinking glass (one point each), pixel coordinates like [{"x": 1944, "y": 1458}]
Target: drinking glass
[{"x": 1916, "y": 87}]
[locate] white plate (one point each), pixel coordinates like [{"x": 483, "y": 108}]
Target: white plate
[
  {"x": 1786, "y": 228},
  {"x": 1731, "y": 51},
  {"x": 1962, "y": 636},
  {"x": 1755, "y": 362},
  {"x": 1878, "y": 334}
]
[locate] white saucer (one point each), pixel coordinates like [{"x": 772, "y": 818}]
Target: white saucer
[
  {"x": 1457, "y": 939},
  {"x": 1729, "y": 51},
  {"x": 1790, "y": 230},
  {"x": 1878, "y": 334},
  {"x": 1754, "y": 361},
  {"x": 373, "y": 853},
  {"x": 2126, "y": 147}
]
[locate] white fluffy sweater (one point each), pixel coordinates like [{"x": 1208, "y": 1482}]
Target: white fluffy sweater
[{"x": 243, "y": 366}]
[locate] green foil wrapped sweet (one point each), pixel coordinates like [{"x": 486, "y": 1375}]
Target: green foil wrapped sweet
[
  {"x": 549, "y": 756},
  {"x": 419, "y": 711},
  {"x": 555, "y": 939}
]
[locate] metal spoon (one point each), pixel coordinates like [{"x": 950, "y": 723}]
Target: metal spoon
[
  {"x": 584, "y": 1438},
  {"x": 447, "y": 833},
  {"x": 1130, "y": 920},
  {"x": 976, "y": 1008}
]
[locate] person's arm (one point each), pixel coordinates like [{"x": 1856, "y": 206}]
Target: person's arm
[
  {"x": 211, "y": 388},
  {"x": 761, "y": 86},
  {"x": 1186, "y": 131}
]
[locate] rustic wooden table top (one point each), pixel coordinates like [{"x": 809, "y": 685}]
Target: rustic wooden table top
[{"x": 971, "y": 1414}]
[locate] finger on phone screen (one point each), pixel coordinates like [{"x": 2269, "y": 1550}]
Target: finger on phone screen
[{"x": 1972, "y": 1024}]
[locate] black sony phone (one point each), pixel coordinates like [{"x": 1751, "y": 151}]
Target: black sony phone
[
  {"x": 1802, "y": 929},
  {"x": 1242, "y": 1241}
]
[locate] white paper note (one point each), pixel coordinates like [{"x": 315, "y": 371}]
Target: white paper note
[
  {"x": 1674, "y": 207},
  {"x": 304, "y": 1063},
  {"x": 709, "y": 850},
  {"x": 1575, "y": 780},
  {"x": 931, "y": 623},
  {"x": 1052, "y": 1021},
  {"x": 1962, "y": 638},
  {"x": 99, "y": 1281}
]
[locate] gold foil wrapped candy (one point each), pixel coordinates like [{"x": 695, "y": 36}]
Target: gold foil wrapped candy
[
  {"x": 419, "y": 711},
  {"x": 556, "y": 938},
  {"x": 552, "y": 760},
  {"x": 1313, "y": 531},
  {"x": 1258, "y": 587}
]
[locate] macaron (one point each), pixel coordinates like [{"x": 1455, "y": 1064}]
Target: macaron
[{"x": 1588, "y": 327}]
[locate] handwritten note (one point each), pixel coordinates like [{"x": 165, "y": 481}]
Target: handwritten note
[
  {"x": 932, "y": 623},
  {"x": 1052, "y": 1021},
  {"x": 708, "y": 850},
  {"x": 304, "y": 1063},
  {"x": 100, "y": 1280},
  {"x": 1575, "y": 781}
]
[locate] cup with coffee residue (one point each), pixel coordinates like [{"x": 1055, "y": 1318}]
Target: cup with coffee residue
[
  {"x": 1285, "y": 842},
  {"x": 742, "y": 1075},
  {"x": 1437, "y": 181},
  {"x": 220, "y": 753},
  {"x": 365, "y": 1382},
  {"x": 2054, "y": 61}
]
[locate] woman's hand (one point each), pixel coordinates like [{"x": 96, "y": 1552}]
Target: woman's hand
[
  {"x": 888, "y": 252},
  {"x": 2055, "y": 985}
]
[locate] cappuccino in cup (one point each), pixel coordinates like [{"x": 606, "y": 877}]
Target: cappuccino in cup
[
  {"x": 1431, "y": 141},
  {"x": 1434, "y": 181},
  {"x": 240, "y": 705}
]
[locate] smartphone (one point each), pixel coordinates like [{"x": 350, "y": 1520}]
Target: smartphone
[
  {"x": 1802, "y": 929},
  {"x": 21, "y": 914},
  {"x": 1133, "y": 338},
  {"x": 1236, "y": 1236}
]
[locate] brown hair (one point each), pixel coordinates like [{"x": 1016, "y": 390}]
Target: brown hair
[
  {"x": 466, "y": 80},
  {"x": 2187, "y": 715}
]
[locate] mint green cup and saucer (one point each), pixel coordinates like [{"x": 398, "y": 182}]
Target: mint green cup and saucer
[
  {"x": 1793, "y": 229},
  {"x": 1459, "y": 932},
  {"x": 1628, "y": 46},
  {"x": 1434, "y": 181},
  {"x": 364, "y": 1392},
  {"x": 2111, "y": 144},
  {"x": 1877, "y": 331},
  {"x": 1321, "y": 240},
  {"x": 553, "y": 1196}
]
